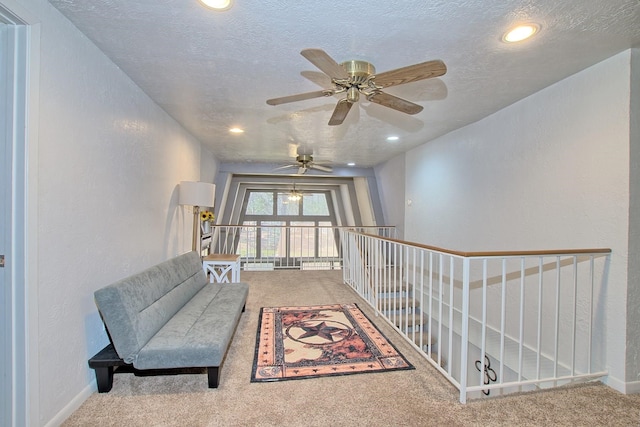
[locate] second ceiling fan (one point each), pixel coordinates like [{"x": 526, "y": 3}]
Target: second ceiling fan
[
  {"x": 359, "y": 77},
  {"x": 304, "y": 162}
]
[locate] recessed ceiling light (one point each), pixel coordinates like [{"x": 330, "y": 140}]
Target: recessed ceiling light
[
  {"x": 236, "y": 130},
  {"x": 351, "y": 164},
  {"x": 218, "y": 4},
  {"x": 519, "y": 33},
  {"x": 393, "y": 138}
]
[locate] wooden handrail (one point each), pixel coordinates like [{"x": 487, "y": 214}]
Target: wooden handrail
[{"x": 494, "y": 253}]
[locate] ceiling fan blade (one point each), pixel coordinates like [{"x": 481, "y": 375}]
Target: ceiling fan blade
[
  {"x": 321, "y": 168},
  {"x": 340, "y": 112},
  {"x": 394, "y": 102},
  {"x": 285, "y": 167},
  {"x": 411, "y": 73},
  {"x": 300, "y": 97},
  {"x": 325, "y": 63},
  {"x": 317, "y": 77}
]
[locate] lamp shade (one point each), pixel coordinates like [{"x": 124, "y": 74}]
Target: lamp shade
[{"x": 197, "y": 193}]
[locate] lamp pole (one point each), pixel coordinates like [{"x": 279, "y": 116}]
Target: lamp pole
[{"x": 196, "y": 225}]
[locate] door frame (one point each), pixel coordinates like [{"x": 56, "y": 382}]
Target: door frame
[{"x": 21, "y": 272}]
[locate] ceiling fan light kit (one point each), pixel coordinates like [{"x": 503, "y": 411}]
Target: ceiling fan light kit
[{"x": 359, "y": 77}]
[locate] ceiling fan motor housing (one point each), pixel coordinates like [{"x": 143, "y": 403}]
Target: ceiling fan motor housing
[
  {"x": 359, "y": 71},
  {"x": 304, "y": 158}
]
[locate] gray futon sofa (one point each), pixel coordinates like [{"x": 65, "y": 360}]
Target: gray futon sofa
[{"x": 168, "y": 316}]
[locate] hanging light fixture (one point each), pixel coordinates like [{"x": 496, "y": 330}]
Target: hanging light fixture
[{"x": 294, "y": 196}]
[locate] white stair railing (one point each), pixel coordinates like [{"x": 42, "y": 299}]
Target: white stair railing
[
  {"x": 270, "y": 247},
  {"x": 489, "y": 322}
]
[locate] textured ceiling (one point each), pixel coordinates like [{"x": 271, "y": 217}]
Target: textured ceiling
[{"x": 214, "y": 70}]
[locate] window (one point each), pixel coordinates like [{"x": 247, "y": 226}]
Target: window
[
  {"x": 286, "y": 206},
  {"x": 260, "y": 203},
  {"x": 285, "y": 233},
  {"x": 315, "y": 204}
]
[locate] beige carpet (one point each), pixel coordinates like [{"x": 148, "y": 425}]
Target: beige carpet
[{"x": 420, "y": 397}]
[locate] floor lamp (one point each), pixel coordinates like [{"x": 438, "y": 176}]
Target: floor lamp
[{"x": 196, "y": 194}]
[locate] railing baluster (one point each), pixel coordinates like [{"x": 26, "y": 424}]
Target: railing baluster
[
  {"x": 430, "y": 311},
  {"x": 464, "y": 351},
  {"x": 539, "y": 339},
  {"x": 421, "y": 304},
  {"x": 451, "y": 325},
  {"x": 483, "y": 340},
  {"x": 384, "y": 301},
  {"x": 521, "y": 343},
  {"x": 575, "y": 314},
  {"x": 590, "y": 329},
  {"x": 557, "y": 319},
  {"x": 395, "y": 282},
  {"x": 413, "y": 297},
  {"x": 440, "y": 296},
  {"x": 404, "y": 315},
  {"x": 503, "y": 315},
  {"x": 378, "y": 244}
]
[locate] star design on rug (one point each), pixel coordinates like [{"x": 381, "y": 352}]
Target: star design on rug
[{"x": 321, "y": 330}]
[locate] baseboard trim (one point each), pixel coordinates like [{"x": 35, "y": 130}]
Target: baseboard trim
[
  {"x": 73, "y": 405},
  {"x": 631, "y": 387}
]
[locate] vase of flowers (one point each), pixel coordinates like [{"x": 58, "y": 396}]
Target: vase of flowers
[{"x": 207, "y": 218}]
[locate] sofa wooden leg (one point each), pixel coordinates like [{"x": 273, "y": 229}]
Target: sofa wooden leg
[
  {"x": 105, "y": 363},
  {"x": 213, "y": 372},
  {"x": 104, "y": 378}
]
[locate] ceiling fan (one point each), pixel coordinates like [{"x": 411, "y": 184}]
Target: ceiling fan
[
  {"x": 304, "y": 162},
  {"x": 359, "y": 77}
]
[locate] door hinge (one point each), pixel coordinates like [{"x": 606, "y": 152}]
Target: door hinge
[{"x": 1, "y": 261}]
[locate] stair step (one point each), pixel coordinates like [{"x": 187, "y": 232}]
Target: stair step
[
  {"x": 425, "y": 339},
  {"x": 411, "y": 319},
  {"x": 399, "y": 303}
]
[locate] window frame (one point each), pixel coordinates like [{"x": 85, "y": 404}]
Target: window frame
[{"x": 289, "y": 260}]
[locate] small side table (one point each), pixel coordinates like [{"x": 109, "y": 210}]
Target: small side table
[{"x": 218, "y": 267}]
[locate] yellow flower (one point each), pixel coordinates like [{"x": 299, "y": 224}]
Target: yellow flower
[{"x": 207, "y": 216}]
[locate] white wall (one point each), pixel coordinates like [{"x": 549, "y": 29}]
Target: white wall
[
  {"x": 548, "y": 172},
  {"x": 109, "y": 163},
  {"x": 633, "y": 295},
  {"x": 209, "y": 166},
  {"x": 390, "y": 177}
]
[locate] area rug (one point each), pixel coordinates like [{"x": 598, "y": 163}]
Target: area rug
[{"x": 323, "y": 340}]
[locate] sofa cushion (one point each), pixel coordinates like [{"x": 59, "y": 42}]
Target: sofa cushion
[
  {"x": 136, "y": 308},
  {"x": 198, "y": 335}
]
